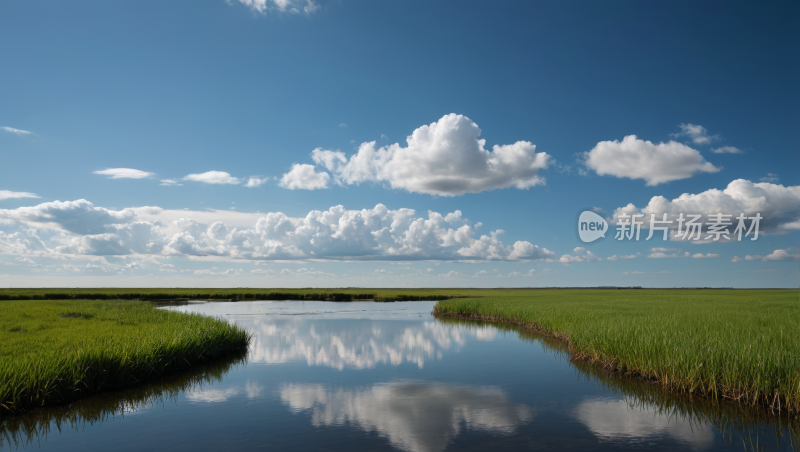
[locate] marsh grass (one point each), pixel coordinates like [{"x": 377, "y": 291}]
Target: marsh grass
[
  {"x": 749, "y": 425},
  {"x": 32, "y": 428},
  {"x": 737, "y": 345},
  {"x": 59, "y": 351}
]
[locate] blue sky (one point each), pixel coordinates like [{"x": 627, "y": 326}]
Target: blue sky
[{"x": 240, "y": 94}]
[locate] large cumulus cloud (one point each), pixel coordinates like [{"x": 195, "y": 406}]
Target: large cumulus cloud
[
  {"x": 779, "y": 206},
  {"x": 80, "y": 228},
  {"x": 445, "y": 158}
]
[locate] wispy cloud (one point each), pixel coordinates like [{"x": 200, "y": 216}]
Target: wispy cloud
[
  {"x": 16, "y": 131},
  {"x": 697, "y": 133},
  {"x": 169, "y": 182},
  {"x": 5, "y": 194},
  {"x": 124, "y": 173},
  {"x": 727, "y": 150}
]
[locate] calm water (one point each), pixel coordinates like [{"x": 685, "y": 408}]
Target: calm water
[{"x": 371, "y": 376}]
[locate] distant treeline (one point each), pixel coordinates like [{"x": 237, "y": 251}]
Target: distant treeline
[{"x": 221, "y": 296}]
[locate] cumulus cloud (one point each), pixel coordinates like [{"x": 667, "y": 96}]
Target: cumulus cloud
[
  {"x": 697, "y": 133},
  {"x": 704, "y": 256},
  {"x": 304, "y": 177},
  {"x": 638, "y": 159},
  {"x": 335, "y": 234},
  {"x": 5, "y": 194},
  {"x": 284, "y": 6},
  {"x": 778, "y": 206},
  {"x": 727, "y": 150},
  {"x": 445, "y": 158},
  {"x": 124, "y": 173},
  {"x": 254, "y": 182},
  {"x": 16, "y": 131},
  {"x": 213, "y": 177}
]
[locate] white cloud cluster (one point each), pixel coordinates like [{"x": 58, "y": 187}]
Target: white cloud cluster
[
  {"x": 335, "y": 234},
  {"x": 124, "y": 173},
  {"x": 213, "y": 177},
  {"x": 639, "y": 159},
  {"x": 697, "y": 133},
  {"x": 779, "y": 206},
  {"x": 445, "y": 158},
  {"x": 284, "y": 6},
  {"x": 5, "y": 194},
  {"x": 777, "y": 255}
]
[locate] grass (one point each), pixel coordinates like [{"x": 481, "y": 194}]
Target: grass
[
  {"x": 21, "y": 431},
  {"x": 740, "y": 345},
  {"x": 59, "y": 351}
]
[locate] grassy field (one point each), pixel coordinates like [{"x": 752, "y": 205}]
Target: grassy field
[
  {"x": 58, "y": 351},
  {"x": 740, "y": 345}
]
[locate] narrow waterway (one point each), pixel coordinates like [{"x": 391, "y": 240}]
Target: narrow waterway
[{"x": 372, "y": 376}]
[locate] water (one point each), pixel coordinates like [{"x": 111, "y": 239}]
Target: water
[{"x": 389, "y": 376}]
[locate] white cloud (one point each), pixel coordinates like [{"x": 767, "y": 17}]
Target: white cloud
[
  {"x": 638, "y": 159},
  {"x": 335, "y": 234},
  {"x": 16, "y": 131},
  {"x": 779, "y": 206},
  {"x": 697, "y": 133},
  {"x": 704, "y": 256},
  {"x": 5, "y": 194},
  {"x": 214, "y": 177},
  {"x": 305, "y": 178},
  {"x": 661, "y": 253},
  {"x": 588, "y": 257},
  {"x": 171, "y": 182},
  {"x": 284, "y": 6},
  {"x": 777, "y": 255},
  {"x": 615, "y": 257},
  {"x": 253, "y": 182},
  {"x": 770, "y": 178},
  {"x": 445, "y": 158},
  {"x": 727, "y": 150},
  {"x": 124, "y": 173}
]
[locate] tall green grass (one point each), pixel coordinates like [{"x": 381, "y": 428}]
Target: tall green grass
[
  {"x": 58, "y": 351},
  {"x": 726, "y": 344},
  {"x": 20, "y": 431}
]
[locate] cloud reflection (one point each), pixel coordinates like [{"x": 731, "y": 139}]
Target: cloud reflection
[
  {"x": 616, "y": 419},
  {"x": 358, "y": 344},
  {"x": 413, "y": 416}
]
